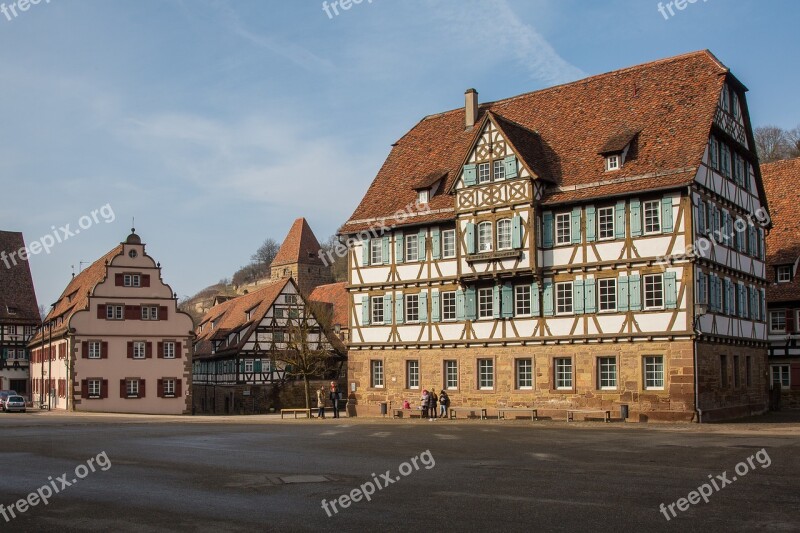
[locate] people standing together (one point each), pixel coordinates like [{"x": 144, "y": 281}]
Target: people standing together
[
  {"x": 333, "y": 395},
  {"x": 429, "y": 401}
]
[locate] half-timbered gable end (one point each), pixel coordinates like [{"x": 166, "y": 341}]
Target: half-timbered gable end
[{"x": 574, "y": 233}]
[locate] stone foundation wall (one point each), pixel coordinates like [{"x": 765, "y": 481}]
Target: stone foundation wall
[
  {"x": 727, "y": 399},
  {"x": 253, "y": 399}
]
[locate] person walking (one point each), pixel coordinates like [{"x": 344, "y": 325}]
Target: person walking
[
  {"x": 333, "y": 395},
  {"x": 321, "y": 402},
  {"x": 444, "y": 403},
  {"x": 432, "y": 404}
]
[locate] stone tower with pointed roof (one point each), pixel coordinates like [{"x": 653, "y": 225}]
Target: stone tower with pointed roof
[{"x": 299, "y": 258}]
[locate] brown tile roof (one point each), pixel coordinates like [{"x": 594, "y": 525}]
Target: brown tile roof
[
  {"x": 231, "y": 316},
  {"x": 17, "y": 296},
  {"x": 336, "y": 295},
  {"x": 299, "y": 246},
  {"x": 782, "y": 185},
  {"x": 76, "y": 296},
  {"x": 670, "y": 102},
  {"x": 428, "y": 181},
  {"x": 617, "y": 143}
]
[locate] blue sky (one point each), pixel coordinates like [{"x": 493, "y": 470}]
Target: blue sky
[{"x": 216, "y": 123}]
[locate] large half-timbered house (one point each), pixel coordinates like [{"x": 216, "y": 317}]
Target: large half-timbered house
[
  {"x": 596, "y": 244},
  {"x": 782, "y": 183}
]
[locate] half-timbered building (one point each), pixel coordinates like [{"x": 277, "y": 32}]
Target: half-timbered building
[
  {"x": 782, "y": 183},
  {"x": 595, "y": 244},
  {"x": 115, "y": 340}
]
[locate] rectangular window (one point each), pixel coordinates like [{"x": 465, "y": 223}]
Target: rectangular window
[
  {"x": 412, "y": 307},
  {"x": 485, "y": 374},
  {"x": 377, "y": 309},
  {"x": 484, "y": 173},
  {"x": 138, "y": 350},
  {"x": 723, "y": 371},
  {"x": 652, "y": 216},
  {"x": 423, "y": 195},
  {"x": 564, "y": 228},
  {"x": 780, "y": 376},
  {"x": 132, "y": 387},
  {"x": 291, "y": 299},
  {"x": 412, "y": 247},
  {"x": 737, "y": 376},
  {"x": 499, "y": 170},
  {"x": 94, "y": 388},
  {"x": 169, "y": 350},
  {"x": 607, "y": 290},
  {"x": 278, "y": 336},
  {"x": 485, "y": 301},
  {"x": 132, "y": 280},
  {"x": 449, "y": 243},
  {"x": 777, "y": 321},
  {"x": 149, "y": 312},
  {"x": 606, "y": 373},
  {"x": 451, "y": 375},
  {"x": 169, "y": 386},
  {"x": 563, "y": 372},
  {"x": 564, "y": 298},
  {"x": 412, "y": 374},
  {"x": 748, "y": 371},
  {"x": 114, "y": 312},
  {"x": 448, "y": 305},
  {"x": 376, "y": 251},
  {"x": 784, "y": 274},
  {"x": 654, "y": 291},
  {"x": 605, "y": 223},
  {"x": 522, "y": 300},
  {"x": 485, "y": 237},
  {"x": 612, "y": 162},
  {"x": 248, "y": 366},
  {"x": 524, "y": 374},
  {"x": 94, "y": 350},
  {"x": 654, "y": 372},
  {"x": 504, "y": 234},
  {"x": 376, "y": 373}
]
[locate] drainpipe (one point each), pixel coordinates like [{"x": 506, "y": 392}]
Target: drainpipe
[{"x": 695, "y": 322}]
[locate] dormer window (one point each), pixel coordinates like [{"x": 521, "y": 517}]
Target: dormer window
[
  {"x": 613, "y": 162},
  {"x": 784, "y": 274},
  {"x": 423, "y": 196}
]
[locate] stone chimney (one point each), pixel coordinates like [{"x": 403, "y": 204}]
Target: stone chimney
[{"x": 471, "y": 107}]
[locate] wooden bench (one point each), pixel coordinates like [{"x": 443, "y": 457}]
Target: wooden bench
[
  {"x": 454, "y": 410},
  {"x": 532, "y": 410},
  {"x": 399, "y": 412},
  {"x": 307, "y": 412},
  {"x": 571, "y": 413}
]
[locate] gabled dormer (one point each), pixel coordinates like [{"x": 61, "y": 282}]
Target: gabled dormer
[{"x": 617, "y": 149}]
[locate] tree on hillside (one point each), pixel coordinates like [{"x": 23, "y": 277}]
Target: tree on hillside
[
  {"x": 266, "y": 252},
  {"x": 259, "y": 265},
  {"x": 773, "y": 143},
  {"x": 338, "y": 265}
]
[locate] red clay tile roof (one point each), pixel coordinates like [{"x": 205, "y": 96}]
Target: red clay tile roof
[
  {"x": 617, "y": 143},
  {"x": 336, "y": 295},
  {"x": 782, "y": 184},
  {"x": 17, "y": 296},
  {"x": 670, "y": 102},
  {"x": 428, "y": 181},
  {"x": 76, "y": 296},
  {"x": 299, "y": 246}
]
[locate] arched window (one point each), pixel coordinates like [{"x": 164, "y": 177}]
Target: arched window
[
  {"x": 485, "y": 237},
  {"x": 504, "y": 234}
]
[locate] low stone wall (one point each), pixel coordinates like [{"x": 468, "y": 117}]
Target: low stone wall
[{"x": 253, "y": 399}]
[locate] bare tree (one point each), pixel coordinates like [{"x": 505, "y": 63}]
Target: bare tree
[
  {"x": 266, "y": 252},
  {"x": 772, "y": 143},
  {"x": 793, "y": 136},
  {"x": 42, "y": 312},
  {"x": 332, "y": 249}
]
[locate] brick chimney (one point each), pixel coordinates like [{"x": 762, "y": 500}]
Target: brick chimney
[{"x": 471, "y": 107}]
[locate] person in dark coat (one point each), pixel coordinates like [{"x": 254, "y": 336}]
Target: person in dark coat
[
  {"x": 432, "y": 403},
  {"x": 333, "y": 396}
]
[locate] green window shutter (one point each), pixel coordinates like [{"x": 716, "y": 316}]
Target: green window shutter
[
  {"x": 547, "y": 229},
  {"x": 577, "y": 296},
  {"x": 666, "y": 215},
  {"x": 516, "y": 232},
  {"x": 636, "y": 218},
  {"x": 508, "y": 300},
  {"x": 496, "y": 302},
  {"x": 385, "y": 244},
  {"x": 670, "y": 290},
  {"x": 241, "y": 366},
  {"x": 589, "y": 297},
  {"x": 435, "y": 309},
  {"x": 399, "y": 248},
  {"x": 763, "y": 306},
  {"x": 591, "y": 229},
  {"x": 761, "y": 251},
  {"x": 635, "y": 293},
  {"x": 701, "y": 288},
  {"x": 470, "y": 175},
  {"x": 753, "y": 302},
  {"x": 619, "y": 220},
  {"x": 741, "y": 300},
  {"x": 714, "y": 147},
  {"x": 469, "y": 304},
  {"x": 701, "y": 218},
  {"x": 387, "y": 308},
  {"x": 739, "y": 236},
  {"x": 365, "y": 310},
  {"x": 436, "y": 246},
  {"x": 547, "y": 298},
  {"x": 422, "y": 250},
  {"x": 535, "y": 298},
  {"x": 257, "y": 365},
  {"x": 398, "y": 308},
  {"x": 423, "y": 306},
  {"x": 576, "y": 225},
  {"x": 622, "y": 294},
  {"x": 510, "y": 162},
  {"x": 712, "y": 293},
  {"x": 461, "y": 313},
  {"x": 751, "y": 233},
  {"x": 470, "y": 237},
  {"x": 729, "y": 305},
  {"x": 365, "y": 252}
]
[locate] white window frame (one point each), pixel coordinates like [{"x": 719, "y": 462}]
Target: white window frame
[
  {"x": 564, "y": 298},
  {"x": 563, "y": 378},
  {"x": 132, "y": 388},
  {"x": 412, "y": 374},
  {"x": 376, "y": 373},
  {"x": 653, "y": 287},
  {"x": 451, "y": 374},
  {"x": 653, "y": 372},
  {"x": 115, "y": 312},
  {"x": 423, "y": 196},
  {"x": 607, "y": 295},
  {"x": 94, "y": 387},
  {"x": 411, "y": 246},
  {"x": 168, "y": 386},
  {"x": 149, "y": 312},
  {"x": 375, "y": 252},
  {"x": 607, "y": 373},
  {"x": 498, "y": 170},
  {"x": 376, "y": 310},
  {"x": 95, "y": 349},
  {"x": 169, "y": 350},
  {"x": 412, "y": 308},
  {"x": 783, "y": 274},
  {"x": 448, "y": 303},
  {"x": 504, "y": 241},
  {"x": 484, "y": 173},
  {"x": 651, "y": 217},
  {"x": 563, "y": 225},
  {"x": 448, "y": 244},
  {"x": 249, "y": 366},
  {"x": 132, "y": 280},
  {"x": 605, "y": 224},
  {"x": 784, "y": 375},
  {"x": 522, "y": 300},
  {"x": 139, "y": 350},
  {"x": 781, "y": 315},
  {"x": 485, "y": 302},
  {"x": 523, "y": 369},
  {"x": 485, "y": 236},
  {"x": 613, "y": 162},
  {"x": 486, "y": 374}
]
